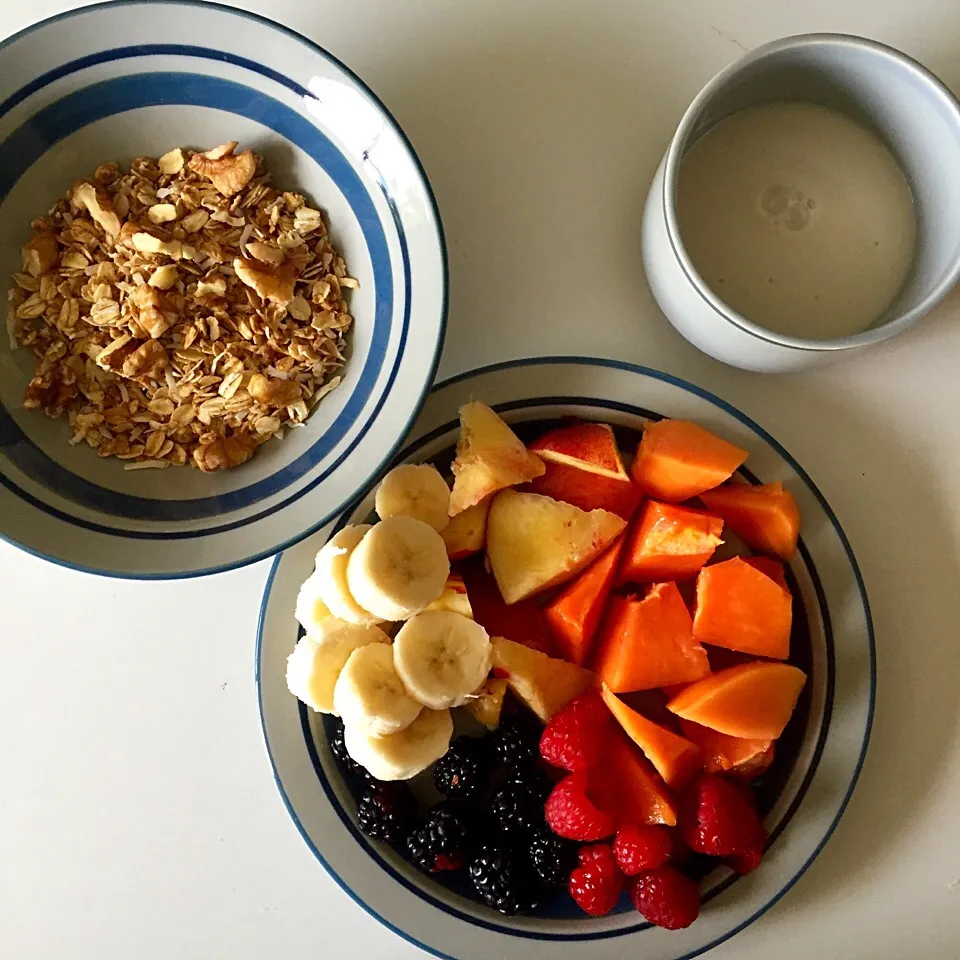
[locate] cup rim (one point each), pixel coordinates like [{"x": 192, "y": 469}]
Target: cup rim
[{"x": 937, "y": 89}]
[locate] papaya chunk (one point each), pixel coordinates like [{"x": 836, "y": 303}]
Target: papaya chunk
[
  {"x": 766, "y": 517},
  {"x": 740, "y": 608},
  {"x": 670, "y": 543},
  {"x": 574, "y": 616},
  {"x": 647, "y": 643},
  {"x": 675, "y": 758},
  {"x": 754, "y": 701},
  {"x": 725, "y": 754},
  {"x": 772, "y": 568},
  {"x": 677, "y": 460}
]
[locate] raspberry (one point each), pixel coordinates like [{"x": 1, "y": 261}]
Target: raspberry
[
  {"x": 575, "y": 737},
  {"x": 666, "y": 898},
  {"x": 596, "y": 884},
  {"x": 720, "y": 818},
  {"x": 747, "y": 862},
  {"x": 642, "y": 848},
  {"x": 572, "y": 814}
]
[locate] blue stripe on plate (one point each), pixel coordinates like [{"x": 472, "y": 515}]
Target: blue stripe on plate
[
  {"x": 107, "y": 98},
  {"x": 557, "y": 913}
]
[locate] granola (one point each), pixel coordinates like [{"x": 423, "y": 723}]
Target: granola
[{"x": 181, "y": 311}]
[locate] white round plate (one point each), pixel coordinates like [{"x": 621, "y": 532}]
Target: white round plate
[
  {"x": 116, "y": 80},
  {"x": 832, "y": 724}
]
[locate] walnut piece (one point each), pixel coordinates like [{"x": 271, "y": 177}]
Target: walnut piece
[
  {"x": 96, "y": 202},
  {"x": 224, "y": 453},
  {"x": 148, "y": 360},
  {"x": 150, "y": 309},
  {"x": 275, "y": 284},
  {"x": 274, "y": 392},
  {"x": 227, "y": 171}
]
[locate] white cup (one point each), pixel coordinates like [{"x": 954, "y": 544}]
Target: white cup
[{"x": 896, "y": 97}]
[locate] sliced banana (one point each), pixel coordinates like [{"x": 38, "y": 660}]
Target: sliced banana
[
  {"x": 318, "y": 658},
  {"x": 402, "y": 755},
  {"x": 442, "y": 657},
  {"x": 369, "y": 695},
  {"x": 311, "y": 611},
  {"x": 415, "y": 490},
  {"x": 398, "y": 568},
  {"x": 331, "y": 576}
]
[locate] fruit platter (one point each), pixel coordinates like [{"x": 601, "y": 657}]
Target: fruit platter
[{"x": 569, "y": 671}]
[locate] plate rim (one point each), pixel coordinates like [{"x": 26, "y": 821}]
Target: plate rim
[
  {"x": 428, "y": 386},
  {"x": 729, "y": 408}
]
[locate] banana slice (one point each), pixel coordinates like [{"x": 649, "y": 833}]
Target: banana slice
[
  {"x": 369, "y": 695},
  {"x": 318, "y": 658},
  {"x": 331, "y": 575},
  {"x": 402, "y": 755},
  {"x": 311, "y": 611},
  {"x": 442, "y": 657},
  {"x": 415, "y": 490},
  {"x": 398, "y": 568}
]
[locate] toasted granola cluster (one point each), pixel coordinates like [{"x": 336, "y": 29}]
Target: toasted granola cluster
[{"x": 182, "y": 311}]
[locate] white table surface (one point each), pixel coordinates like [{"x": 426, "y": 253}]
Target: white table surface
[{"x": 139, "y": 818}]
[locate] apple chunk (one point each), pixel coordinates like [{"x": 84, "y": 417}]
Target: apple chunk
[
  {"x": 490, "y": 457},
  {"x": 588, "y": 446},
  {"x": 466, "y": 533},
  {"x": 545, "y": 684},
  {"x": 535, "y": 542}
]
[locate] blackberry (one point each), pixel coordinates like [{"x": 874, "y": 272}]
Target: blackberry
[
  {"x": 517, "y": 807},
  {"x": 553, "y": 858},
  {"x": 504, "y": 881},
  {"x": 462, "y": 772},
  {"x": 443, "y": 839},
  {"x": 516, "y": 743},
  {"x": 338, "y": 748},
  {"x": 387, "y": 812}
]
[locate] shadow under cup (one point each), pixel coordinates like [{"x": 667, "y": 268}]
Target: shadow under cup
[{"x": 885, "y": 91}]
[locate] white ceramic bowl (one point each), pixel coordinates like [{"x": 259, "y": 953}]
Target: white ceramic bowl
[
  {"x": 116, "y": 80},
  {"x": 911, "y": 110},
  {"x": 830, "y": 729}
]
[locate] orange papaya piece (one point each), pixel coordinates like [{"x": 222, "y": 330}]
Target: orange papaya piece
[
  {"x": 772, "y": 568},
  {"x": 725, "y": 754},
  {"x": 675, "y": 758},
  {"x": 574, "y": 616},
  {"x": 647, "y": 643},
  {"x": 740, "y": 608},
  {"x": 670, "y": 543},
  {"x": 677, "y": 460},
  {"x": 765, "y": 517},
  {"x": 631, "y": 789},
  {"x": 754, "y": 701},
  {"x": 588, "y": 491}
]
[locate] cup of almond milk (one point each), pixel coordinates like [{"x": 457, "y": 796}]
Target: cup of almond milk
[{"x": 808, "y": 205}]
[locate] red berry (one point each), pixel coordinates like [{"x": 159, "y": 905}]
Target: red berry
[
  {"x": 596, "y": 884},
  {"x": 571, "y": 813},
  {"x": 747, "y": 862},
  {"x": 576, "y": 737},
  {"x": 642, "y": 848},
  {"x": 719, "y": 818},
  {"x": 666, "y": 898}
]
